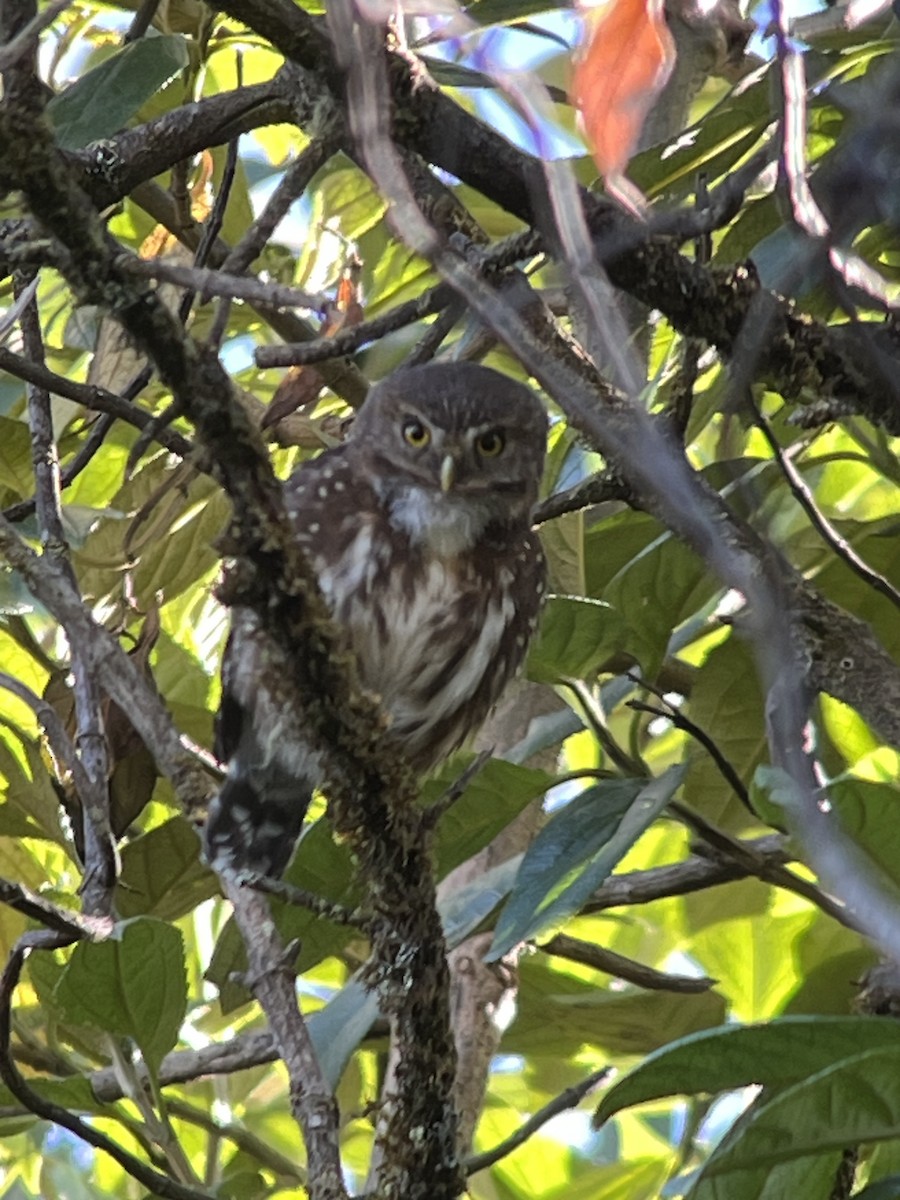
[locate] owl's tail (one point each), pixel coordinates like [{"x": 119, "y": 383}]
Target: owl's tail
[{"x": 255, "y": 820}]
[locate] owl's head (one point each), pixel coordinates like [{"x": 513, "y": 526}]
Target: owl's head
[{"x": 457, "y": 432}]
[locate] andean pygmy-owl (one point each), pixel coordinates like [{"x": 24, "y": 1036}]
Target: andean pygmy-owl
[{"x": 419, "y": 529}]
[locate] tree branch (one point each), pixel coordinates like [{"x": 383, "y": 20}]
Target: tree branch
[
  {"x": 611, "y": 963},
  {"x": 559, "y": 1104}
]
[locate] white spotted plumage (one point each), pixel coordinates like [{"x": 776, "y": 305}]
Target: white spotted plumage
[{"x": 434, "y": 577}]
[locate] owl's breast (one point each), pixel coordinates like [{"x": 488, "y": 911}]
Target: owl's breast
[{"x": 436, "y": 638}]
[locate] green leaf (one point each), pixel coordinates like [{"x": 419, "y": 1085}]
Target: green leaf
[
  {"x": 494, "y": 798},
  {"x": 777, "y": 1053},
  {"x": 884, "y": 1189},
  {"x": 560, "y": 1012},
  {"x": 131, "y": 985},
  {"x": 75, "y": 1093},
  {"x": 463, "y": 910},
  {"x": 810, "y": 1177},
  {"x": 868, "y": 813},
  {"x": 162, "y": 875},
  {"x": 574, "y": 853},
  {"x": 576, "y": 636},
  {"x": 727, "y": 704},
  {"x": 659, "y": 588},
  {"x": 853, "y": 1099},
  {"x": 103, "y": 100},
  {"x": 16, "y": 473}
]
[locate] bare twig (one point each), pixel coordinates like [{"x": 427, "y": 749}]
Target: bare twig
[
  {"x": 100, "y": 862},
  {"x": 97, "y": 399},
  {"x": 695, "y": 874},
  {"x": 604, "y": 486},
  {"x": 115, "y": 671},
  {"x": 559, "y": 1104},
  {"x": 430, "y": 341},
  {"x": 291, "y": 186},
  {"x": 777, "y": 874},
  {"x": 445, "y": 802},
  {"x": 680, "y": 721},
  {"x": 820, "y": 522},
  {"x": 348, "y": 340},
  {"x": 272, "y": 981},
  {"x": 301, "y": 898},
  {"x": 60, "y": 743},
  {"x": 239, "y": 1053},
  {"x": 28, "y": 34},
  {"x": 72, "y": 925},
  {"x": 611, "y": 963},
  {"x": 142, "y": 20}
]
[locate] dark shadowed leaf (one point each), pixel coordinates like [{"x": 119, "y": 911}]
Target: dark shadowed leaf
[
  {"x": 854, "y": 1098},
  {"x": 101, "y": 102},
  {"x": 162, "y": 875},
  {"x": 496, "y": 796},
  {"x": 777, "y": 1054},
  {"x": 558, "y": 1013},
  {"x": 575, "y": 851}
]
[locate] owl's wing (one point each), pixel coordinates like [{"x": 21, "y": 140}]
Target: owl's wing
[{"x": 257, "y": 816}]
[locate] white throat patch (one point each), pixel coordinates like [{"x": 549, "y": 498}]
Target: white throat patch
[{"x": 446, "y": 525}]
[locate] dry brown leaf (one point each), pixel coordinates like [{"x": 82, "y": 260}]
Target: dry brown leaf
[{"x": 623, "y": 66}]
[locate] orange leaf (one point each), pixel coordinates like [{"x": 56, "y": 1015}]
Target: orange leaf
[{"x": 618, "y": 75}]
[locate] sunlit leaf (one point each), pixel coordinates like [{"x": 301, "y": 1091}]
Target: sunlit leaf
[{"x": 133, "y": 984}]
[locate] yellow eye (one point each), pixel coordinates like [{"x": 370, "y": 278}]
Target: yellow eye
[
  {"x": 415, "y": 433},
  {"x": 490, "y": 444}
]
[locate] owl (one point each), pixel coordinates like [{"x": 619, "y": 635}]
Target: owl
[{"x": 419, "y": 531}]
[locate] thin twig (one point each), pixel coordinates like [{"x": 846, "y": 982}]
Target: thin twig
[
  {"x": 781, "y": 876},
  {"x": 61, "y": 744},
  {"x": 559, "y": 1104},
  {"x": 680, "y": 721},
  {"x": 73, "y": 925},
  {"x": 694, "y": 874},
  {"x": 142, "y": 21},
  {"x": 600, "y": 488},
  {"x": 17, "y": 46},
  {"x": 445, "y": 802},
  {"x": 611, "y": 963},
  {"x": 819, "y": 521},
  {"x": 290, "y": 354},
  {"x": 430, "y": 341},
  {"x": 301, "y": 898},
  {"x": 291, "y": 186},
  {"x": 272, "y": 981},
  {"x": 96, "y": 398},
  {"x": 217, "y": 283},
  {"x": 239, "y": 1053},
  {"x": 100, "y": 862}
]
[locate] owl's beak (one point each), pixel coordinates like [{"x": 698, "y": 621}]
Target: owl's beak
[{"x": 448, "y": 472}]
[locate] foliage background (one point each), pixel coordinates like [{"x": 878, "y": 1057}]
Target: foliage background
[{"x": 722, "y": 935}]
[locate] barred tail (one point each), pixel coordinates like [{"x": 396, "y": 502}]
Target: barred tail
[{"x": 255, "y": 820}]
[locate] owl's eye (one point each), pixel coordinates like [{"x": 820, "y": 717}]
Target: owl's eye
[
  {"x": 490, "y": 444},
  {"x": 415, "y": 433}
]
